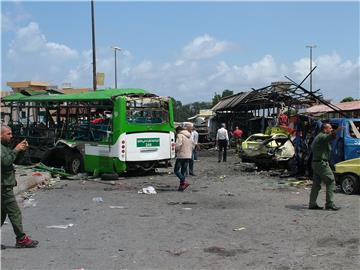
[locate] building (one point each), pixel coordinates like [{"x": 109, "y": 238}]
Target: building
[
  {"x": 350, "y": 109},
  {"x": 17, "y": 87}
]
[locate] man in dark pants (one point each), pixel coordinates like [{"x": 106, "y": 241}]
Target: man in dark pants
[
  {"x": 222, "y": 139},
  {"x": 9, "y": 206},
  {"x": 321, "y": 170}
]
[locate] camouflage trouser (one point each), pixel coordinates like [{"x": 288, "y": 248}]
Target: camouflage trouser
[
  {"x": 10, "y": 208},
  {"x": 322, "y": 173}
]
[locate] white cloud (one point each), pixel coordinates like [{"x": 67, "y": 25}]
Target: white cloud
[
  {"x": 204, "y": 47},
  {"x": 189, "y": 78},
  {"x": 29, "y": 41},
  {"x": 10, "y": 20}
]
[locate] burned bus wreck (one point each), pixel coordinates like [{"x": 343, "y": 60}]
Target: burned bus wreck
[{"x": 106, "y": 131}]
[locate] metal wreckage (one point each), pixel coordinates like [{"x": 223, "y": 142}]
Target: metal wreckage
[{"x": 280, "y": 133}]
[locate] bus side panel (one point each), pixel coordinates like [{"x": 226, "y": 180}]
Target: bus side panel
[{"x": 103, "y": 164}]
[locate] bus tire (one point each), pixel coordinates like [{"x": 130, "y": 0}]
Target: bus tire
[{"x": 74, "y": 162}]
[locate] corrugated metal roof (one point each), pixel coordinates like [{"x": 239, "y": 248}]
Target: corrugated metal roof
[
  {"x": 230, "y": 102},
  {"x": 104, "y": 94},
  {"x": 344, "y": 106}
]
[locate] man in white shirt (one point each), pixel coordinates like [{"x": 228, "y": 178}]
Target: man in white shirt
[
  {"x": 222, "y": 140},
  {"x": 194, "y": 139}
]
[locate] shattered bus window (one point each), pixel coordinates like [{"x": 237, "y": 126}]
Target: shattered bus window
[{"x": 147, "y": 110}]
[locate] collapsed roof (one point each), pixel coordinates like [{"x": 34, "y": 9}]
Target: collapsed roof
[{"x": 277, "y": 94}]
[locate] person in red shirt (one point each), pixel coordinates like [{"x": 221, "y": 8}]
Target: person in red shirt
[{"x": 237, "y": 134}]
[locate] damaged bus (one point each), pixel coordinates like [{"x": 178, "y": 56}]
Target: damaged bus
[{"x": 103, "y": 131}]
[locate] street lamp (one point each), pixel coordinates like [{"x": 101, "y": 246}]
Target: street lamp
[
  {"x": 115, "y": 49},
  {"x": 93, "y": 44},
  {"x": 311, "y": 47}
]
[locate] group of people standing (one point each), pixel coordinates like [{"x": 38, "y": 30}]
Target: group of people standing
[{"x": 187, "y": 141}]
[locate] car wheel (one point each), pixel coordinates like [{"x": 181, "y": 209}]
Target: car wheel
[
  {"x": 349, "y": 184},
  {"x": 74, "y": 163}
]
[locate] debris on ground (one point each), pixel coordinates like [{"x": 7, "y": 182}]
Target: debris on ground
[
  {"x": 239, "y": 229},
  {"x": 176, "y": 252},
  {"x": 98, "y": 199},
  {"x": 117, "y": 207},
  {"x": 147, "y": 190},
  {"x": 29, "y": 203},
  {"x": 60, "y": 226}
]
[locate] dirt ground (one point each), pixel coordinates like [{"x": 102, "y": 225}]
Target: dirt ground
[{"x": 227, "y": 219}]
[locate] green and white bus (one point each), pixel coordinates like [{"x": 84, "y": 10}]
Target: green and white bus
[{"x": 103, "y": 131}]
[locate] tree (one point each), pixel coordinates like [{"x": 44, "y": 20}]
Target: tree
[
  {"x": 348, "y": 99},
  {"x": 218, "y": 97},
  {"x": 227, "y": 93}
]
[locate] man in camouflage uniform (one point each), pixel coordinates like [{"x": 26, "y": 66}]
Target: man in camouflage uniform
[
  {"x": 321, "y": 170},
  {"x": 9, "y": 206}
]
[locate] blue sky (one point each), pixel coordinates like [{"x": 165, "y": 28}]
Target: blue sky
[{"x": 188, "y": 50}]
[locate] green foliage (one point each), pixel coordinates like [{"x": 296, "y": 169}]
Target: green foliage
[
  {"x": 183, "y": 112},
  {"x": 348, "y": 99},
  {"x": 218, "y": 97}
]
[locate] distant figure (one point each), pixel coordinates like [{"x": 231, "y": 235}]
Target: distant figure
[
  {"x": 194, "y": 139},
  {"x": 321, "y": 169},
  {"x": 183, "y": 148},
  {"x": 9, "y": 206},
  {"x": 222, "y": 140},
  {"x": 237, "y": 134}
]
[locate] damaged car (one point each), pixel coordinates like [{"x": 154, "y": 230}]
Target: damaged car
[
  {"x": 268, "y": 150},
  {"x": 347, "y": 174}
]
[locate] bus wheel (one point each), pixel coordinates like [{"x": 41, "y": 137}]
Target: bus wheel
[
  {"x": 350, "y": 184},
  {"x": 74, "y": 163}
]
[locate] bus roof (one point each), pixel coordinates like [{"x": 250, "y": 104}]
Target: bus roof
[{"x": 101, "y": 94}]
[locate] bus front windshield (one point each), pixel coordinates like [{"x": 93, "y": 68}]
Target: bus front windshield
[{"x": 147, "y": 110}]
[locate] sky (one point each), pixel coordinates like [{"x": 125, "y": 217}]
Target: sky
[{"x": 187, "y": 50}]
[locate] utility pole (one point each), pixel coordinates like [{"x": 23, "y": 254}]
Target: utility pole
[
  {"x": 311, "y": 47},
  {"x": 93, "y": 44},
  {"x": 116, "y": 49}
]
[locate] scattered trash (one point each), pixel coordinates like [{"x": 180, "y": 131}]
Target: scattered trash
[
  {"x": 186, "y": 208},
  {"x": 5, "y": 222},
  {"x": 184, "y": 203},
  {"x": 117, "y": 207},
  {"x": 176, "y": 252},
  {"x": 147, "y": 190},
  {"x": 227, "y": 194},
  {"x": 29, "y": 202},
  {"x": 60, "y": 226},
  {"x": 239, "y": 229},
  {"x": 98, "y": 199}
]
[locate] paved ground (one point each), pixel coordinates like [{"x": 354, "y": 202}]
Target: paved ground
[{"x": 227, "y": 219}]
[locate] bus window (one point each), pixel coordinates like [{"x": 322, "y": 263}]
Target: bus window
[{"x": 147, "y": 111}]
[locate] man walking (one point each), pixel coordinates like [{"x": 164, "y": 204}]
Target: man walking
[
  {"x": 183, "y": 148},
  {"x": 237, "y": 134},
  {"x": 321, "y": 170},
  {"x": 194, "y": 139},
  {"x": 9, "y": 206},
  {"x": 222, "y": 139}
]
